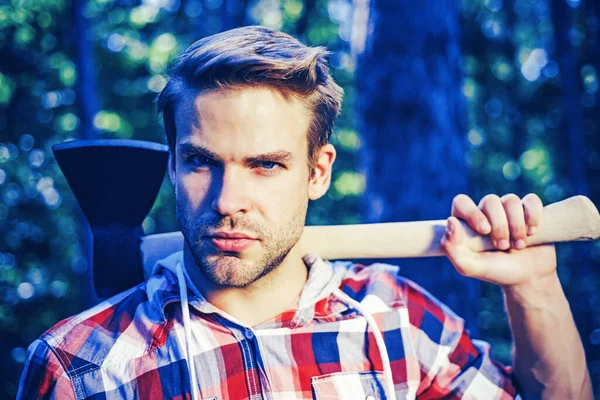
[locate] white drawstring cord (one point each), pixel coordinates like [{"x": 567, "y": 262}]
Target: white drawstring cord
[
  {"x": 185, "y": 311},
  {"x": 385, "y": 358}
]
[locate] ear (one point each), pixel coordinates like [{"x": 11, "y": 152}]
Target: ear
[
  {"x": 171, "y": 168},
  {"x": 321, "y": 179}
]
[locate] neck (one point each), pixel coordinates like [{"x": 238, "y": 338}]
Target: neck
[{"x": 260, "y": 301}]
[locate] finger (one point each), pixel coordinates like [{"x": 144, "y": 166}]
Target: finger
[
  {"x": 492, "y": 207},
  {"x": 534, "y": 211},
  {"x": 464, "y": 207},
  {"x": 516, "y": 220}
]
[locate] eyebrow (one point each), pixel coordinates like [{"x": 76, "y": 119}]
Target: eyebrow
[
  {"x": 282, "y": 157},
  {"x": 189, "y": 149}
]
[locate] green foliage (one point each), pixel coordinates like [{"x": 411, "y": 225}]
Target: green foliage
[
  {"x": 518, "y": 134},
  {"x": 512, "y": 85},
  {"x": 40, "y": 257}
]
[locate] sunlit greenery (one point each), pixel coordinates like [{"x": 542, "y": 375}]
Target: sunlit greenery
[{"x": 513, "y": 86}]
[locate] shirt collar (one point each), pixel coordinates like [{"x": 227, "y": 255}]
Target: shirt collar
[{"x": 323, "y": 278}]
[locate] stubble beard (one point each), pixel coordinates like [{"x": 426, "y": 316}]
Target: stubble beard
[{"x": 229, "y": 269}]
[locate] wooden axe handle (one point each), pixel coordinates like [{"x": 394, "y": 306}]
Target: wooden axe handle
[{"x": 575, "y": 218}]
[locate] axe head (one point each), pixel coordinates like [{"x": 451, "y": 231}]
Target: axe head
[{"x": 115, "y": 182}]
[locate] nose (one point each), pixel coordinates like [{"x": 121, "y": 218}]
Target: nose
[{"x": 231, "y": 192}]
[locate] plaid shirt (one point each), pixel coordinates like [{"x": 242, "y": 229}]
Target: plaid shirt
[{"x": 131, "y": 346}]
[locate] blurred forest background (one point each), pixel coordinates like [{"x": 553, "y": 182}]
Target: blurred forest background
[{"x": 473, "y": 96}]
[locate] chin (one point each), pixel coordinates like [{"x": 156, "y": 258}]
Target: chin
[{"x": 231, "y": 271}]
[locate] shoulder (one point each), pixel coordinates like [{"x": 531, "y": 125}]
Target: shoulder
[
  {"x": 386, "y": 283},
  {"x": 44, "y": 375},
  {"x": 360, "y": 281},
  {"x": 123, "y": 326},
  {"x": 435, "y": 335}
]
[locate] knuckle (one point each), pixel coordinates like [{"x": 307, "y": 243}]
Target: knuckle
[
  {"x": 532, "y": 197},
  {"x": 533, "y": 200},
  {"x": 510, "y": 199},
  {"x": 460, "y": 198},
  {"x": 489, "y": 200}
]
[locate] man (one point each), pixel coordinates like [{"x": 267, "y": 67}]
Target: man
[{"x": 242, "y": 313}]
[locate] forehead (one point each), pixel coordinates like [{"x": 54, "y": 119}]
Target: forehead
[{"x": 250, "y": 119}]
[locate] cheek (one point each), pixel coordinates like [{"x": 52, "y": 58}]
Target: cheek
[
  {"x": 286, "y": 196},
  {"x": 191, "y": 190},
  {"x": 288, "y": 187}
]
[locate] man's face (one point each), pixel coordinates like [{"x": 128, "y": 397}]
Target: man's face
[{"x": 241, "y": 178}]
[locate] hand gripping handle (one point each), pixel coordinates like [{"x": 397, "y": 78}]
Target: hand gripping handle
[{"x": 575, "y": 218}]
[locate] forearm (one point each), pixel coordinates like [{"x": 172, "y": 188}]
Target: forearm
[{"x": 549, "y": 360}]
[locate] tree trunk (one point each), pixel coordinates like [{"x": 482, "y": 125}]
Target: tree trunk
[
  {"x": 302, "y": 23},
  {"x": 87, "y": 102},
  {"x": 572, "y": 140},
  {"x": 412, "y": 119}
]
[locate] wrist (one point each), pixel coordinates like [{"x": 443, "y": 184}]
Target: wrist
[{"x": 535, "y": 292}]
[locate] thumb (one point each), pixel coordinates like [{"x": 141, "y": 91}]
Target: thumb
[{"x": 464, "y": 260}]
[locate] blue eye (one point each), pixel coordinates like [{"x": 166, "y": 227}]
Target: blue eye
[{"x": 268, "y": 164}]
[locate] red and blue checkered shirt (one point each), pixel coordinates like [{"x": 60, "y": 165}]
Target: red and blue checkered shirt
[{"x": 131, "y": 346}]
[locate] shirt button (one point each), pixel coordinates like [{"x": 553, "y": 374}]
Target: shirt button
[
  {"x": 370, "y": 397},
  {"x": 249, "y": 334}
]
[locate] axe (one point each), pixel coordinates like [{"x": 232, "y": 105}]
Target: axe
[{"x": 117, "y": 181}]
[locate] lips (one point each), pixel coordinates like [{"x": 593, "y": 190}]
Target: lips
[
  {"x": 230, "y": 235},
  {"x": 231, "y": 241}
]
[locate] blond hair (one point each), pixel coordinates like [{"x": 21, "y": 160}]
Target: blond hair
[{"x": 251, "y": 56}]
